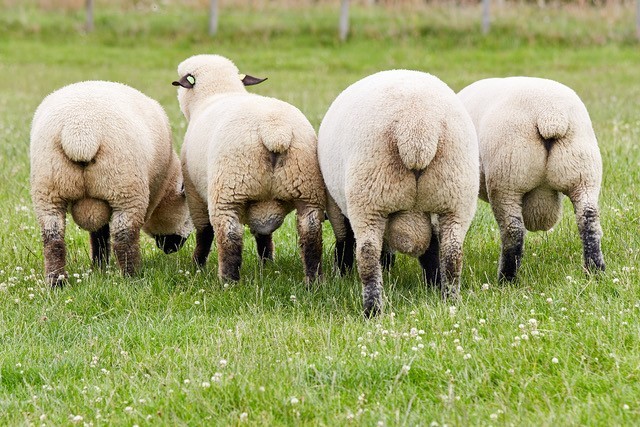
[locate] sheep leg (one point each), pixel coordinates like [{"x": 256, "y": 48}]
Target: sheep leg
[
  {"x": 264, "y": 243},
  {"x": 588, "y": 219},
  {"x": 508, "y": 214},
  {"x": 204, "y": 239},
  {"x": 228, "y": 232},
  {"x": 388, "y": 258},
  {"x": 369, "y": 234},
  {"x": 309, "y": 221},
  {"x": 345, "y": 240},
  {"x": 126, "y": 241},
  {"x": 52, "y": 225},
  {"x": 199, "y": 212},
  {"x": 452, "y": 232},
  {"x": 100, "y": 246},
  {"x": 430, "y": 261}
]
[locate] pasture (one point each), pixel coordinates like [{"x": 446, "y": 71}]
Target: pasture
[{"x": 174, "y": 346}]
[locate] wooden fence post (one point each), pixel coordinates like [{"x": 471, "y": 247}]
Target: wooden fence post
[
  {"x": 88, "y": 26},
  {"x": 344, "y": 20},
  {"x": 213, "y": 17},
  {"x": 638, "y": 19},
  {"x": 486, "y": 19}
]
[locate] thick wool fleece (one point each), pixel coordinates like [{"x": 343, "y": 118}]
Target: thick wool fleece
[
  {"x": 104, "y": 151},
  {"x": 247, "y": 159},
  {"x": 394, "y": 148},
  {"x": 536, "y": 143}
]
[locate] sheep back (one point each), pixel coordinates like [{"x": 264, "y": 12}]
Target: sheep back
[
  {"x": 256, "y": 149},
  {"x": 536, "y": 138},
  {"x": 386, "y": 129},
  {"x": 102, "y": 143}
]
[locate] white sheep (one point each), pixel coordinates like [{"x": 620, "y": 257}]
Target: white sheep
[
  {"x": 536, "y": 143},
  {"x": 395, "y": 148},
  {"x": 104, "y": 151},
  {"x": 247, "y": 159}
]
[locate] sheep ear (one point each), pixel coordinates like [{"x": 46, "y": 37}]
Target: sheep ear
[
  {"x": 187, "y": 81},
  {"x": 248, "y": 80}
]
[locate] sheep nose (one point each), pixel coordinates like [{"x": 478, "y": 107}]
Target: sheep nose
[{"x": 170, "y": 243}]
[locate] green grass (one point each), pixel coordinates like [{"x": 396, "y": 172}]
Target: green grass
[{"x": 148, "y": 350}]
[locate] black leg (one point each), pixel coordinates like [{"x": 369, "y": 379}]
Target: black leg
[
  {"x": 100, "y": 246},
  {"x": 345, "y": 249},
  {"x": 264, "y": 242},
  {"x": 204, "y": 239},
  {"x": 430, "y": 262}
]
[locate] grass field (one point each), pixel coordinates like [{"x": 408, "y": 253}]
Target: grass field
[{"x": 174, "y": 346}]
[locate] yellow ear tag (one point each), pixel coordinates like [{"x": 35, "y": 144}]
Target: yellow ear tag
[
  {"x": 191, "y": 79},
  {"x": 242, "y": 76}
]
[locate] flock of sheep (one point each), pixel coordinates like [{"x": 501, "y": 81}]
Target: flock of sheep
[{"x": 397, "y": 166}]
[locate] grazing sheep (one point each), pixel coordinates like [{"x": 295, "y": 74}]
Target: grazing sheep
[
  {"x": 394, "y": 148},
  {"x": 247, "y": 159},
  {"x": 536, "y": 142},
  {"x": 104, "y": 151}
]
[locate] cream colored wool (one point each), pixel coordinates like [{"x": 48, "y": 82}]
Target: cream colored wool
[
  {"x": 536, "y": 143},
  {"x": 247, "y": 159},
  {"x": 104, "y": 151},
  {"x": 395, "y": 148}
]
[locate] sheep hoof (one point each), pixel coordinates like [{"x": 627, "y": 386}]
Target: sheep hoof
[
  {"x": 372, "y": 309},
  {"x": 57, "y": 280},
  {"x": 594, "y": 266}
]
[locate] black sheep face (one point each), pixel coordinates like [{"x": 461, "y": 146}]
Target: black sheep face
[{"x": 170, "y": 243}]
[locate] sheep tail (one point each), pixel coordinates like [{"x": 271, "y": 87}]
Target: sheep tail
[
  {"x": 552, "y": 123},
  {"x": 416, "y": 139},
  {"x": 79, "y": 140},
  {"x": 276, "y": 134}
]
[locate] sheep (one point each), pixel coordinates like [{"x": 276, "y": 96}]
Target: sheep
[
  {"x": 536, "y": 143},
  {"x": 395, "y": 149},
  {"x": 247, "y": 159},
  {"x": 103, "y": 150}
]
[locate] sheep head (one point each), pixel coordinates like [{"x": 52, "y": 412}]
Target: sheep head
[
  {"x": 205, "y": 76},
  {"x": 169, "y": 223}
]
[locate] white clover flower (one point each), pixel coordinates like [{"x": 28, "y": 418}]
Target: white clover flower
[
  {"x": 554, "y": 360},
  {"x": 405, "y": 369},
  {"x": 196, "y": 302},
  {"x": 452, "y": 310},
  {"x": 244, "y": 416},
  {"x": 485, "y": 286},
  {"x": 223, "y": 363},
  {"x": 550, "y": 300},
  {"x": 293, "y": 298},
  {"x": 217, "y": 377},
  {"x": 205, "y": 384},
  {"x": 294, "y": 400},
  {"x": 467, "y": 356},
  {"x": 493, "y": 416},
  {"x": 76, "y": 418},
  {"x": 128, "y": 409}
]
